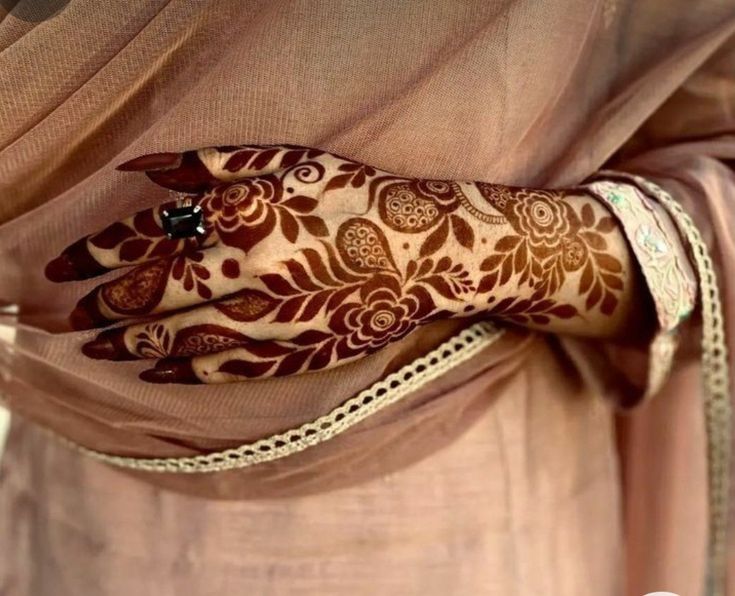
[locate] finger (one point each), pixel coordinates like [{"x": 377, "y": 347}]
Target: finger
[
  {"x": 229, "y": 340},
  {"x": 131, "y": 241},
  {"x": 214, "y": 327},
  {"x": 163, "y": 285},
  {"x": 253, "y": 360},
  {"x": 196, "y": 171}
]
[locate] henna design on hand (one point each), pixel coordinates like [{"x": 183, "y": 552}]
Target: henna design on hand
[
  {"x": 550, "y": 241},
  {"x": 310, "y": 260},
  {"x": 415, "y": 206}
]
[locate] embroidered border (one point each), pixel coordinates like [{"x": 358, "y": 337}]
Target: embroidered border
[{"x": 662, "y": 262}]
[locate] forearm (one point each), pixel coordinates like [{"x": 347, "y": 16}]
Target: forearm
[
  {"x": 575, "y": 275},
  {"x": 555, "y": 260}
]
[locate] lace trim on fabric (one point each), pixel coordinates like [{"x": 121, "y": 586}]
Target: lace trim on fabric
[
  {"x": 715, "y": 380},
  {"x": 389, "y": 390}
]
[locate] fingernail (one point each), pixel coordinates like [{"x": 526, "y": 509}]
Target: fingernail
[
  {"x": 86, "y": 314},
  {"x": 61, "y": 269},
  {"x": 74, "y": 263},
  {"x": 190, "y": 175},
  {"x": 108, "y": 345},
  {"x": 154, "y": 161},
  {"x": 171, "y": 371}
]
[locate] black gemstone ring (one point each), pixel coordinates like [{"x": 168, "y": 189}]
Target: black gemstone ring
[{"x": 183, "y": 221}]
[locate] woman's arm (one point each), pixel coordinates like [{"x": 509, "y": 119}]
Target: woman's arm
[{"x": 309, "y": 260}]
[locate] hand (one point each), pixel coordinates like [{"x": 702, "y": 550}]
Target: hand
[{"x": 310, "y": 260}]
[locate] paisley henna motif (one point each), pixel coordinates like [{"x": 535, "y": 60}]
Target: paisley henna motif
[
  {"x": 415, "y": 206},
  {"x": 363, "y": 247},
  {"x": 139, "y": 291}
]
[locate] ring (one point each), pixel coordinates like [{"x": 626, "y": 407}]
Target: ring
[{"x": 186, "y": 220}]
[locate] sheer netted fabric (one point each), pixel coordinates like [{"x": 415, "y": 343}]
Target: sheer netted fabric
[{"x": 518, "y": 92}]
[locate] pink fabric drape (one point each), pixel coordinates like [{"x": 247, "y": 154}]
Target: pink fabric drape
[{"x": 507, "y": 470}]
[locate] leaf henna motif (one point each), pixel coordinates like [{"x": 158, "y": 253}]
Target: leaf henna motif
[
  {"x": 154, "y": 341},
  {"x": 449, "y": 280},
  {"x": 524, "y": 311},
  {"x": 247, "y": 305},
  {"x": 435, "y": 240},
  {"x": 355, "y": 176},
  {"x": 187, "y": 269},
  {"x": 146, "y": 239},
  {"x": 111, "y": 236},
  {"x": 462, "y": 232}
]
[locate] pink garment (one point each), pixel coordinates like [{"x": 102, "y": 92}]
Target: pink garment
[{"x": 499, "y": 477}]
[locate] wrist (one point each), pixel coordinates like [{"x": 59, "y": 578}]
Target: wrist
[{"x": 558, "y": 255}]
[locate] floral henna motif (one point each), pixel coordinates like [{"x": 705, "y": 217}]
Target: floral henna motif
[
  {"x": 227, "y": 208},
  {"x": 245, "y": 213},
  {"x": 383, "y": 311},
  {"x": 549, "y": 242},
  {"x": 240, "y": 215},
  {"x": 356, "y": 292}
]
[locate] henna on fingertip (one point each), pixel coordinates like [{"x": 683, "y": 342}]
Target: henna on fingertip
[
  {"x": 171, "y": 370},
  {"x": 74, "y": 263},
  {"x": 87, "y": 313},
  {"x": 109, "y": 345}
]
